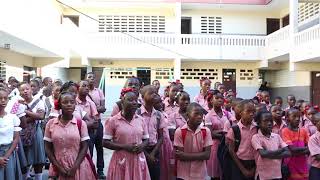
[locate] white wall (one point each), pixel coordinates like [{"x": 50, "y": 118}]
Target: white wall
[{"x": 232, "y": 22}]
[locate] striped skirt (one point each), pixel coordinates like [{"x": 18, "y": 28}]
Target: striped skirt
[{"x": 35, "y": 153}]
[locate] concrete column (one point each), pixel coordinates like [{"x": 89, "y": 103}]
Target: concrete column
[
  {"x": 177, "y": 68},
  {"x": 293, "y": 29},
  {"x": 177, "y": 60}
]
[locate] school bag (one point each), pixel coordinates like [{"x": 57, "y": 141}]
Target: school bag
[
  {"x": 27, "y": 134},
  {"x": 223, "y": 154},
  {"x": 183, "y": 136}
]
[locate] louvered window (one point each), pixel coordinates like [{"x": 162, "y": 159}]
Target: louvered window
[
  {"x": 148, "y": 24},
  {"x": 308, "y": 10},
  {"x": 211, "y": 25},
  {"x": 3, "y": 69}
]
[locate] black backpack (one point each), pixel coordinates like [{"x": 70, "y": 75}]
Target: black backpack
[{"x": 223, "y": 154}]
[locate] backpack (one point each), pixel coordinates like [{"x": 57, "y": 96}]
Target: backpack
[
  {"x": 183, "y": 135},
  {"x": 27, "y": 134},
  {"x": 223, "y": 154},
  {"x": 88, "y": 157}
]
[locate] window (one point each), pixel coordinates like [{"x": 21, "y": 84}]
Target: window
[
  {"x": 148, "y": 24},
  {"x": 3, "y": 69},
  {"x": 211, "y": 25},
  {"x": 308, "y": 10},
  {"x": 197, "y": 74}
]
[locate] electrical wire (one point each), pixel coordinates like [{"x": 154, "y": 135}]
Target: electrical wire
[{"x": 127, "y": 34}]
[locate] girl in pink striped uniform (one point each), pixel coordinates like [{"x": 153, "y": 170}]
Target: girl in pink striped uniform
[
  {"x": 215, "y": 120},
  {"x": 205, "y": 85},
  {"x": 128, "y": 160}
]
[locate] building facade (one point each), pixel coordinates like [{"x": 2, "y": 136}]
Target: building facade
[{"x": 238, "y": 42}]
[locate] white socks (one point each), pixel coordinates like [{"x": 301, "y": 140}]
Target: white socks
[{"x": 38, "y": 176}]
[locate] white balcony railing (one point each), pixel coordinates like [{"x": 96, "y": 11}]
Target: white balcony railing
[
  {"x": 222, "y": 40},
  {"x": 307, "y": 35}
]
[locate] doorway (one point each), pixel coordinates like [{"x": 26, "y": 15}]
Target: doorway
[
  {"x": 144, "y": 74},
  {"x": 229, "y": 79},
  {"x": 272, "y": 25},
  {"x": 285, "y": 21},
  {"x": 186, "y": 25},
  {"x": 315, "y": 88}
]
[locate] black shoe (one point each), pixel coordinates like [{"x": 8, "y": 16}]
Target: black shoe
[{"x": 101, "y": 175}]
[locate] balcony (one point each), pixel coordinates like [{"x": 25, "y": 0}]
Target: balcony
[{"x": 168, "y": 46}]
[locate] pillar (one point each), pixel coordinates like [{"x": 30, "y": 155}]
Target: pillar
[
  {"x": 177, "y": 68},
  {"x": 293, "y": 29}
]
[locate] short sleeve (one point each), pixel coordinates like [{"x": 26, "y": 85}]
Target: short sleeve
[
  {"x": 16, "y": 123},
  {"x": 208, "y": 140},
  {"x": 172, "y": 121},
  {"x": 286, "y": 136},
  {"x": 178, "y": 138},
  {"x": 40, "y": 106},
  {"x": 256, "y": 143},
  {"x": 314, "y": 146},
  {"x": 21, "y": 111},
  {"x": 47, "y": 132},
  {"x": 115, "y": 110},
  {"x": 108, "y": 129},
  {"x": 282, "y": 144},
  {"x": 84, "y": 131},
  {"x": 145, "y": 131},
  {"x": 208, "y": 119}
]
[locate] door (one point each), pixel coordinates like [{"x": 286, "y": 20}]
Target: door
[
  {"x": 285, "y": 21},
  {"x": 272, "y": 25},
  {"x": 186, "y": 25},
  {"x": 144, "y": 74},
  {"x": 315, "y": 88},
  {"x": 229, "y": 79}
]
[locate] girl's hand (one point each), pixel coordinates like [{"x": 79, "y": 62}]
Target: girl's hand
[
  {"x": 72, "y": 172},
  {"x": 179, "y": 155},
  {"x": 129, "y": 148},
  {"x": 151, "y": 159},
  {"x": 139, "y": 148},
  {"x": 62, "y": 171},
  {"x": 3, "y": 162}
]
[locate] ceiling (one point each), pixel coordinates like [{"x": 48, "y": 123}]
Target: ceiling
[{"x": 23, "y": 47}]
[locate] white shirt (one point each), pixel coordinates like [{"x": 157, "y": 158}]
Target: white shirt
[
  {"x": 14, "y": 92},
  {"x": 8, "y": 125},
  {"x": 39, "y": 106}
]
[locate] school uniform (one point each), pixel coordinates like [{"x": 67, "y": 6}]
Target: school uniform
[
  {"x": 152, "y": 124},
  {"x": 166, "y": 152},
  {"x": 35, "y": 153},
  {"x": 267, "y": 168},
  {"x": 217, "y": 123},
  {"x": 176, "y": 120},
  {"x": 314, "y": 148},
  {"x": 202, "y": 101},
  {"x": 91, "y": 109},
  {"x": 8, "y": 125},
  {"x": 66, "y": 140},
  {"x": 124, "y": 165},
  {"x": 14, "y": 107},
  {"x": 307, "y": 124},
  {"x": 278, "y": 129},
  {"x": 194, "y": 142},
  {"x": 98, "y": 96},
  {"x": 245, "y": 152},
  {"x": 168, "y": 108}
]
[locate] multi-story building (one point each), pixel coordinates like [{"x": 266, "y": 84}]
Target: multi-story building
[{"x": 238, "y": 42}]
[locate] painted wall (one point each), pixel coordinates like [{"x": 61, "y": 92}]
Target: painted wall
[
  {"x": 15, "y": 63},
  {"x": 232, "y": 22}
]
